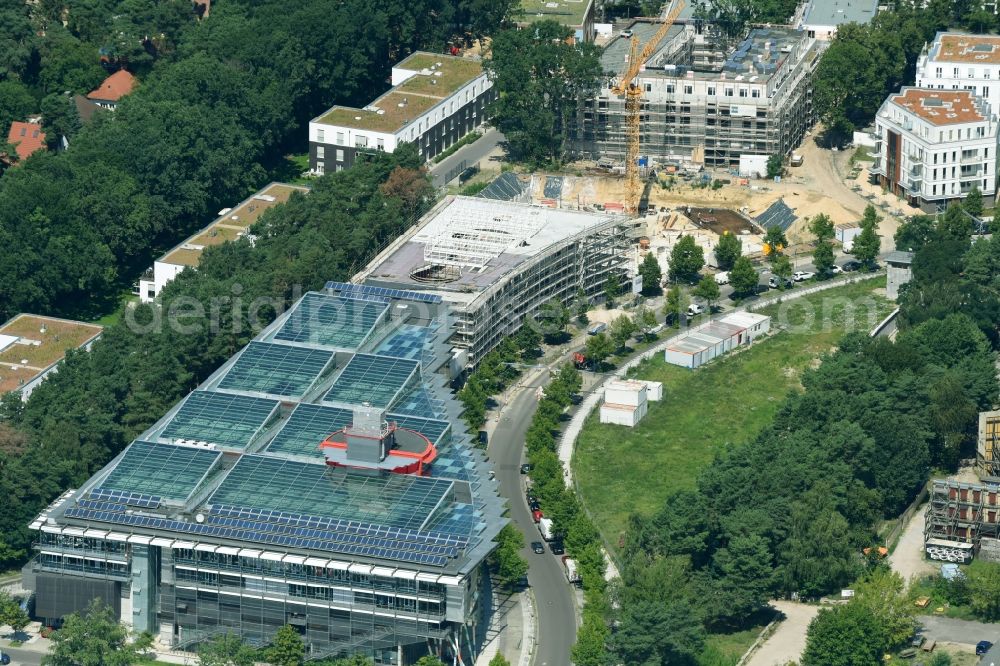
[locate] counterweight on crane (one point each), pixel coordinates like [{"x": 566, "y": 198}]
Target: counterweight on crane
[{"x": 628, "y": 88}]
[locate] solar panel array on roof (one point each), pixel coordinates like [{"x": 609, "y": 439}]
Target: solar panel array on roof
[
  {"x": 364, "y": 291},
  {"x": 331, "y": 321},
  {"x": 432, "y": 429},
  {"x": 275, "y": 484},
  {"x": 372, "y": 379},
  {"x": 778, "y": 215},
  {"x": 276, "y": 369},
  {"x": 161, "y": 470},
  {"x": 307, "y": 427},
  {"x": 407, "y": 341},
  {"x": 220, "y": 418}
]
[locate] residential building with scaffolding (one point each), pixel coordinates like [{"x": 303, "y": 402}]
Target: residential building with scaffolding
[
  {"x": 321, "y": 478},
  {"x": 705, "y": 101},
  {"x": 963, "y": 518},
  {"x": 497, "y": 263}
]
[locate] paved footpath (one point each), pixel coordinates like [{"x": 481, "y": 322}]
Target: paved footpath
[{"x": 789, "y": 639}]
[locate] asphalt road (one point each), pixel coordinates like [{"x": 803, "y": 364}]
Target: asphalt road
[
  {"x": 556, "y": 614},
  {"x": 958, "y": 631},
  {"x": 471, "y": 154},
  {"x": 22, "y": 657}
]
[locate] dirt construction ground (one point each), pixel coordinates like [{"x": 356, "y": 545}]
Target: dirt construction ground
[{"x": 821, "y": 185}]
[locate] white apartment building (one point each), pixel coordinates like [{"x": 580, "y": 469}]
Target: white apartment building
[
  {"x": 434, "y": 102},
  {"x": 956, "y": 61},
  {"x": 934, "y": 146},
  {"x": 821, "y": 18}
]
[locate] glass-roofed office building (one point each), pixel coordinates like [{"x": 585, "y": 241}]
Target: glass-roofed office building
[{"x": 320, "y": 478}]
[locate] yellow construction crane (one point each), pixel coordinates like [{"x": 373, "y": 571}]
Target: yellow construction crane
[{"x": 630, "y": 90}]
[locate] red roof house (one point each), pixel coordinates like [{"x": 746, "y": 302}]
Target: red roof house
[
  {"x": 27, "y": 137},
  {"x": 113, "y": 89}
]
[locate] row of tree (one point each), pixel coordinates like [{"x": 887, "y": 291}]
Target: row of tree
[{"x": 76, "y": 421}]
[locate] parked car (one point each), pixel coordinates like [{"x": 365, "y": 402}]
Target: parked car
[
  {"x": 599, "y": 327},
  {"x": 557, "y": 548},
  {"x": 534, "y": 505},
  {"x": 525, "y": 468},
  {"x": 802, "y": 276},
  {"x": 4, "y": 658},
  {"x": 536, "y": 516},
  {"x": 538, "y": 547},
  {"x": 722, "y": 278},
  {"x": 694, "y": 309},
  {"x": 529, "y": 495},
  {"x": 851, "y": 265},
  {"x": 774, "y": 281},
  {"x": 982, "y": 647},
  {"x": 836, "y": 270},
  {"x": 626, "y": 34}
]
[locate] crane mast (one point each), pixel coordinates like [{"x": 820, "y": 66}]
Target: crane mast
[{"x": 628, "y": 88}]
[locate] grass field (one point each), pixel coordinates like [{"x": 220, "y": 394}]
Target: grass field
[{"x": 620, "y": 471}]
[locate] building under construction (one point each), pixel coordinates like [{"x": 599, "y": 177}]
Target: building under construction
[
  {"x": 705, "y": 101},
  {"x": 964, "y": 518}
]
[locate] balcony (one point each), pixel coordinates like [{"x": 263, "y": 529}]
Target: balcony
[
  {"x": 914, "y": 184},
  {"x": 969, "y": 159},
  {"x": 915, "y": 158}
]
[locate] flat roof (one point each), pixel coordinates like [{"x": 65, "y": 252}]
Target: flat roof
[
  {"x": 332, "y": 321},
  {"x": 940, "y": 107},
  {"x": 230, "y": 225},
  {"x": 436, "y": 77},
  {"x": 959, "y": 47},
  {"x": 229, "y": 467},
  {"x": 614, "y": 57},
  {"x": 830, "y": 12},
  {"x": 32, "y": 343},
  {"x": 466, "y": 245},
  {"x": 570, "y": 13}
]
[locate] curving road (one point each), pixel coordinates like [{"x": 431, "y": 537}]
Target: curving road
[{"x": 556, "y": 612}]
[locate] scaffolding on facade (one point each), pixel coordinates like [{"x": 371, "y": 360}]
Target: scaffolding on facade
[
  {"x": 962, "y": 512},
  {"x": 988, "y": 449}
]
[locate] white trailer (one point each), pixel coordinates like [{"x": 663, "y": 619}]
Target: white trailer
[
  {"x": 545, "y": 529},
  {"x": 571, "y": 571}
]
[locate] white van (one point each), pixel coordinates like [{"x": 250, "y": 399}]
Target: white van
[{"x": 722, "y": 278}]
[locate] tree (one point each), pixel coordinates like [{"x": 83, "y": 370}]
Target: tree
[
  {"x": 676, "y": 303},
  {"x": 429, "y": 660},
  {"x": 582, "y": 306},
  {"x": 506, "y": 559},
  {"x": 775, "y": 166},
  {"x": 728, "y": 250},
  {"x": 540, "y": 77},
  {"x": 822, "y": 227},
  {"x": 882, "y": 594},
  {"x": 651, "y": 274},
  {"x": 743, "y": 277},
  {"x": 612, "y": 289},
  {"x": 591, "y": 641},
  {"x": 708, "y": 291},
  {"x": 823, "y": 258},
  {"x": 287, "y": 648},
  {"x": 913, "y": 234},
  {"x": 499, "y": 660},
  {"x": 622, "y": 328},
  {"x": 11, "y": 612},
  {"x": 599, "y": 348},
  {"x": 95, "y": 638},
  {"x": 645, "y": 319},
  {"x": 782, "y": 267},
  {"x": 226, "y": 650},
  {"x": 973, "y": 203},
  {"x": 775, "y": 243},
  {"x": 955, "y": 224},
  {"x": 552, "y": 319},
  {"x": 686, "y": 259},
  {"x": 844, "y": 636},
  {"x": 981, "y": 20},
  {"x": 867, "y": 244},
  {"x": 984, "y": 586},
  {"x": 659, "y": 632}
]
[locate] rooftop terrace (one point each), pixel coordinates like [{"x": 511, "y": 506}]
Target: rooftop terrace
[
  {"x": 434, "y": 78},
  {"x": 940, "y": 107},
  {"x": 30, "y": 344},
  {"x": 952, "y": 47}
]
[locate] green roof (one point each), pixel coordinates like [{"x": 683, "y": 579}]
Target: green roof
[
  {"x": 566, "y": 12},
  {"x": 417, "y": 95}
]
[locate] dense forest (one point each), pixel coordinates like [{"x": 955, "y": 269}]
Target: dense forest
[{"x": 221, "y": 100}]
